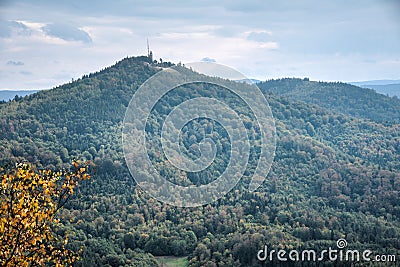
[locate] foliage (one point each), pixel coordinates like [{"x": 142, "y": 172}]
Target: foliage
[
  {"x": 339, "y": 97},
  {"x": 29, "y": 202}
]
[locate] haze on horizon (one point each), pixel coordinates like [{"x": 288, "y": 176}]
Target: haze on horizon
[{"x": 46, "y": 43}]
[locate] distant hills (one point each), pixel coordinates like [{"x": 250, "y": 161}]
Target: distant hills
[
  {"x": 376, "y": 82},
  {"x": 338, "y": 97},
  {"x": 249, "y": 81},
  {"x": 6, "y": 95},
  {"x": 386, "y": 87}
]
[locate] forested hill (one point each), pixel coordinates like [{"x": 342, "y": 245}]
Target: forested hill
[
  {"x": 339, "y": 97},
  {"x": 73, "y": 118},
  {"x": 334, "y": 175}
]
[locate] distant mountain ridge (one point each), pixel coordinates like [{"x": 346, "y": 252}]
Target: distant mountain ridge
[
  {"x": 376, "y": 82},
  {"x": 386, "y": 87},
  {"x": 6, "y": 95},
  {"x": 337, "y": 96},
  {"x": 249, "y": 81}
]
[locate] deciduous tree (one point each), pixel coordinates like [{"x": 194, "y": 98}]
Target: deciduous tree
[{"x": 29, "y": 202}]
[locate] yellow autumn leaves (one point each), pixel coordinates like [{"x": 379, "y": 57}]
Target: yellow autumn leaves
[{"x": 29, "y": 201}]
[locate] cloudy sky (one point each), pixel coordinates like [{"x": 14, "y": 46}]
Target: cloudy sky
[{"x": 44, "y": 43}]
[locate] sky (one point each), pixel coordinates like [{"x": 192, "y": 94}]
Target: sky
[{"x": 45, "y": 43}]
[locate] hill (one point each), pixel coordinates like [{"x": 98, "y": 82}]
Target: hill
[
  {"x": 338, "y": 97},
  {"x": 335, "y": 174},
  {"x": 385, "y": 87}
]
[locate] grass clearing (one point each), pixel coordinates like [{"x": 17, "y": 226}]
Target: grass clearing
[{"x": 171, "y": 261}]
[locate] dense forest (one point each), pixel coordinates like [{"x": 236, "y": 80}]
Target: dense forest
[
  {"x": 338, "y": 97},
  {"x": 336, "y": 172}
]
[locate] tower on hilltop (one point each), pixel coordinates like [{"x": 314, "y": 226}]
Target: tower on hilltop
[{"x": 149, "y": 53}]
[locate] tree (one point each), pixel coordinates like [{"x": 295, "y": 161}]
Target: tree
[
  {"x": 29, "y": 202},
  {"x": 310, "y": 129}
]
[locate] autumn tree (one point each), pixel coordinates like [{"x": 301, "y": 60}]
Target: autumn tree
[{"x": 29, "y": 202}]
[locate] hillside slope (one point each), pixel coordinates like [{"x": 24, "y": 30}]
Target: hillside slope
[
  {"x": 334, "y": 176},
  {"x": 338, "y": 97},
  {"x": 386, "y": 89}
]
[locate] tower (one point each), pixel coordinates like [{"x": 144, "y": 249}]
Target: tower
[{"x": 149, "y": 53}]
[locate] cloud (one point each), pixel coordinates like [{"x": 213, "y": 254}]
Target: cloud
[
  {"x": 24, "y": 72},
  {"x": 269, "y": 45},
  {"x": 259, "y": 36},
  {"x": 10, "y": 27},
  {"x": 67, "y": 32},
  {"x": 15, "y": 63},
  {"x": 207, "y": 59}
]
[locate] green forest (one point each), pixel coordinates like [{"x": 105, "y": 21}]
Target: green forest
[{"x": 336, "y": 171}]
